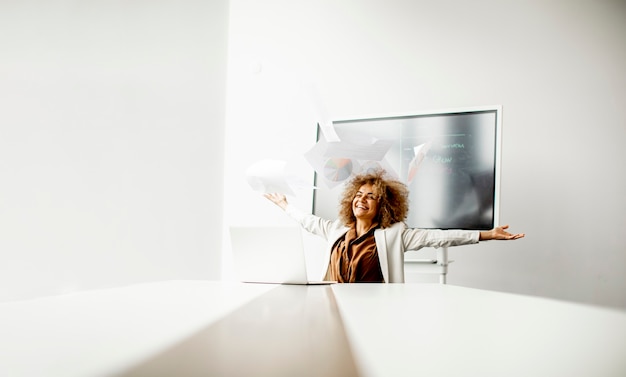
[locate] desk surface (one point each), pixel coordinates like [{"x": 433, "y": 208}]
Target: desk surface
[
  {"x": 443, "y": 330},
  {"x": 353, "y": 329}
]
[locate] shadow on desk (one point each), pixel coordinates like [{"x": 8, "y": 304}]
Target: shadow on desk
[{"x": 288, "y": 331}]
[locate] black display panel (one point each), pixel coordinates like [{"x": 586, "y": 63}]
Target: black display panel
[{"x": 456, "y": 185}]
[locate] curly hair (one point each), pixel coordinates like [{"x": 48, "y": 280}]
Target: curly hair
[{"x": 393, "y": 198}]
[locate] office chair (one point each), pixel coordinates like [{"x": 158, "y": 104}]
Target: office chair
[{"x": 431, "y": 266}]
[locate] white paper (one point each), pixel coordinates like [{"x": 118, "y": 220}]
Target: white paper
[
  {"x": 420, "y": 152},
  {"x": 337, "y": 162},
  {"x": 269, "y": 176},
  {"x": 276, "y": 176},
  {"x": 375, "y": 151},
  {"x": 367, "y": 167},
  {"x": 317, "y": 160},
  {"x": 321, "y": 115}
]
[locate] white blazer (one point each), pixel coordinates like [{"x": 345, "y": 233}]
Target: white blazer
[{"x": 391, "y": 242}]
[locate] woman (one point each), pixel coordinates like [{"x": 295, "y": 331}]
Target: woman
[{"x": 368, "y": 241}]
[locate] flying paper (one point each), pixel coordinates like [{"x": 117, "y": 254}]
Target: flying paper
[
  {"x": 321, "y": 114},
  {"x": 420, "y": 152},
  {"x": 335, "y": 162},
  {"x": 269, "y": 176}
]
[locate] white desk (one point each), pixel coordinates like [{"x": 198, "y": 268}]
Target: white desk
[
  {"x": 442, "y": 330},
  {"x": 388, "y": 330},
  {"x": 104, "y": 332}
]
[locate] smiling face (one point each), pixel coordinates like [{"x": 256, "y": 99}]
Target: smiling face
[{"x": 365, "y": 203}]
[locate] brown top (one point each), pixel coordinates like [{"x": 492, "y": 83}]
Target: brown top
[{"x": 355, "y": 259}]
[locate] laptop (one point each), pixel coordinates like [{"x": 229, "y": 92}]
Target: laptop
[{"x": 269, "y": 254}]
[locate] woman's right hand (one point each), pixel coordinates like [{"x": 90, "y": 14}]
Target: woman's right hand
[{"x": 278, "y": 199}]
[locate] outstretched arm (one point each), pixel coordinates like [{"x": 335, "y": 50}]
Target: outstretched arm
[
  {"x": 310, "y": 223},
  {"x": 499, "y": 233}
]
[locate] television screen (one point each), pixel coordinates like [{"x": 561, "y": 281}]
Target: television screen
[{"x": 449, "y": 160}]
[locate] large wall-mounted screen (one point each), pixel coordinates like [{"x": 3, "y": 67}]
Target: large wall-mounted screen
[{"x": 450, "y": 161}]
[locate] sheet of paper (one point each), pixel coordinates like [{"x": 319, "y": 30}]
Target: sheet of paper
[
  {"x": 321, "y": 114},
  {"x": 420, "y": 152},
  {"x": 268, "y": 176},
  {"x": 329, "y": 170},
  {"x": 337, "y": 162},
  {"x": 375, "y": 151},
  {"x": 367, "y": 167}
]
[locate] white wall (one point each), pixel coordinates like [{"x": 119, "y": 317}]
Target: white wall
[
  {"x": 111, "y": 143},
  {"x": 556, "y": 67}
]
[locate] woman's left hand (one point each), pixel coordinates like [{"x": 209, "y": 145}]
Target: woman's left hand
[{"x": 499, "y": 233}]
